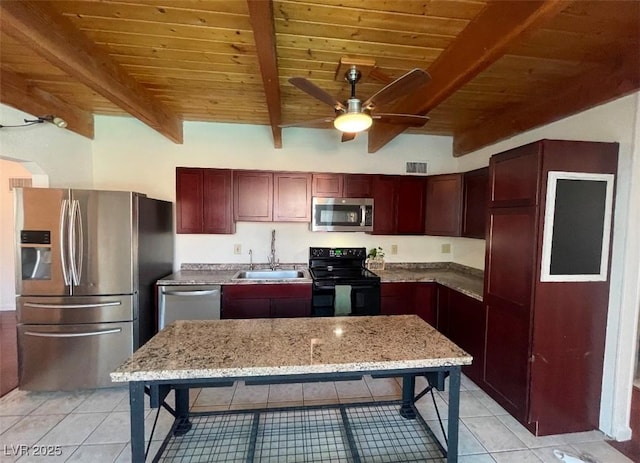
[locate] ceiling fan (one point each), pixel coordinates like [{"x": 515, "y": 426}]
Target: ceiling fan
[{"x": 354, "y": 115}]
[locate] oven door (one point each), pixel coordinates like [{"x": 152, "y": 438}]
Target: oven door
[
  {"x": 342, "y": 214},
  {"x": 365, "y": 299}
]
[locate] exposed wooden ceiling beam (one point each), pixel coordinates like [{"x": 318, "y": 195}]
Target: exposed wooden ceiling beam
[
  {"x": 603, "y": 84},
  {"x": 261, "y": 16},
  {"x": 486, "y": 38},
  {"x": 16, "y": 92},
  {"x": 36, "y": 25}
]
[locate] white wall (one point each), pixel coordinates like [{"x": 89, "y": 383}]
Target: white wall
[
  {"x": 51, "y": 157},
  {"x": 8, "y": 169},
  {"x": 61, "y": 155},
  {"x": 129, "y": 155},
  {"x": 617, "y": 121}
]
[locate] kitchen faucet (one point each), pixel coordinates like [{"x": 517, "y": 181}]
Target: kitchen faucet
[
  {"x": 273, "y": 263},
  {"x": 250, "y": 259}
]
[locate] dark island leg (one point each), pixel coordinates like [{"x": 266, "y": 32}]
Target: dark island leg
[
  {"x": 454, "y": 415},
  {"x": 136, "y": 403},
  {"x": 408, "y": 393},
  {"x": 183, "y": 425}
]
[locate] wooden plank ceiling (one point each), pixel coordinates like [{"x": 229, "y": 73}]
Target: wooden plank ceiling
[{"x": 498, "y": 67}]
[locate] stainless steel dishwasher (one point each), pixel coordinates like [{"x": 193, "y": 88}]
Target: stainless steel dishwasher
[{"x": 188, "y": 302}]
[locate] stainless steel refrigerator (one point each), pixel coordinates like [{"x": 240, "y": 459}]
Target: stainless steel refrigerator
[{"x": 86, "y": 265}]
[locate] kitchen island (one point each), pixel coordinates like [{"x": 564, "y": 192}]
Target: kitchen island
[{"x": 208, "y": 353}]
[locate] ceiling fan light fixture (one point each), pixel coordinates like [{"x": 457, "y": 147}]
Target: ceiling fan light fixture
[{"x": 352, "y": 122}]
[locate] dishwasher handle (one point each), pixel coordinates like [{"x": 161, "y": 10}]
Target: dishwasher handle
[{"x": 198, "y": 292}]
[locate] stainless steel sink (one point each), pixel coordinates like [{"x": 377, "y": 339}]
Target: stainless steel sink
[{"x": 269, "y": 275}]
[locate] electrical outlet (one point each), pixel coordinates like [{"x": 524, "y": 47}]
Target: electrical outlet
[
  {"x": 446, "y": 248},
  {"x": 394, "y": 249},
  {"x": 237, "y": 249}
]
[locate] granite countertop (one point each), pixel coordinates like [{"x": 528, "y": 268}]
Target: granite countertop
[
  {"x": 222, "y": 274},
  {"x": 288, "y": 346},
  {"x": 464, "y": 279}
]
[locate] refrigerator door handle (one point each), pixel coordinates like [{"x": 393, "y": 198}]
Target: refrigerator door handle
[
  {"x": 76, "y": 242},
  {"x": 37, "y": 305},
  {"x": 72, "y": 335},
  {"x": 64, "y": 215}
]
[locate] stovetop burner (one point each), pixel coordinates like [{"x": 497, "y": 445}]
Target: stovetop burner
[{"x": 334, "y": 273}]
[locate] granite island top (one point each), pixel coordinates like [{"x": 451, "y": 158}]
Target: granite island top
[
  {"x": 466, "y": 280},
  {"x": 288, "y": 346}
]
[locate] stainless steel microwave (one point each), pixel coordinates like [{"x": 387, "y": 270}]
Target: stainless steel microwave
[{"x": 342, "y": 214}]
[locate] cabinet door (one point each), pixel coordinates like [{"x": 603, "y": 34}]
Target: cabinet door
[
  {"x": 246, "y": 308},
  {"x": 467, "y": 325},
  {"x": 514, "y": 177},
  {"x": 253, "y": 196},
  {"x": 444, "y": 205},
  {"x": 425, "y": 302},
  {"x": 442, "y": 309},
  {"x": 476, "y": 197},
  {"x": 397, "y": 298},
  {"x": 291, "y": 307},
  {"x": 410, "y": 207},
  {"x": 358, "y": 186},
  {"x": 327, "y": 185},
  {"x": 384, "y": 205},
  {"x": 189, "y": 200},
  {"x": 508, "y": 280},
  {"x": 218, "y": 201},
  {"x": 291, "y": 197}
]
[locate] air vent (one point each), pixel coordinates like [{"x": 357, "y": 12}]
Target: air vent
[
  {"x": 416, "y": 168},
  {"x": 19, "y": 183}
]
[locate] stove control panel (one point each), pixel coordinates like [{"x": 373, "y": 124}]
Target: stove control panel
[{"x": 337, "y": 253}]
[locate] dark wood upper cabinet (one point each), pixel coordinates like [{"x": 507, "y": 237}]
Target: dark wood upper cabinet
[
  {"x": 444, "y": 205},
  {"x": 475, "y": 202},
  {"x": 358, "y": 186},
  {"x": 398, "y": 205},
  {"x": 545, "y": 336},
  {"x": 327, "y": 185},
  {"x": 515, "y": 177},
  {"x": 410, "y": 205},
  {"x": 384, "y": 216},
  {"x": 253, "y": 195},
  {"x": 204, "y": 200},
  {"x": 189, "y": 200},
  {"x": 291, "y": 197},
  {"x": 218, "y": 201}
]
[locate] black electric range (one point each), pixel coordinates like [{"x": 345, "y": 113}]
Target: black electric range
[{"x": 343, "y": 268}]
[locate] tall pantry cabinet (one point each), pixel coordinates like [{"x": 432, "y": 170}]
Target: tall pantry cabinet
[{"x": 547, "y": 281}]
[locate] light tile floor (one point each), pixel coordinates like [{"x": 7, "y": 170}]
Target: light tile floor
[{"x": 94, "y": 425}]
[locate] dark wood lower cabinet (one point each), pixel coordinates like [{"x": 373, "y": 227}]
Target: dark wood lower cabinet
[
  {"x": 405, "y": 298},
  {"x": 266, "y": 301},
  {"x": 463, "y": 320},
  {"x": 397, "y": 298}
]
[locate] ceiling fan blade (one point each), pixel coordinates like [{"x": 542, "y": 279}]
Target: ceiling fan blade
[
  {"x": 316, "y": 92},
  {"x": 347, "y": 136},
  {"x": 321, "y": 123},
  {"x": 401, "y": 86},
  {"x": 410, "y": 120}
]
